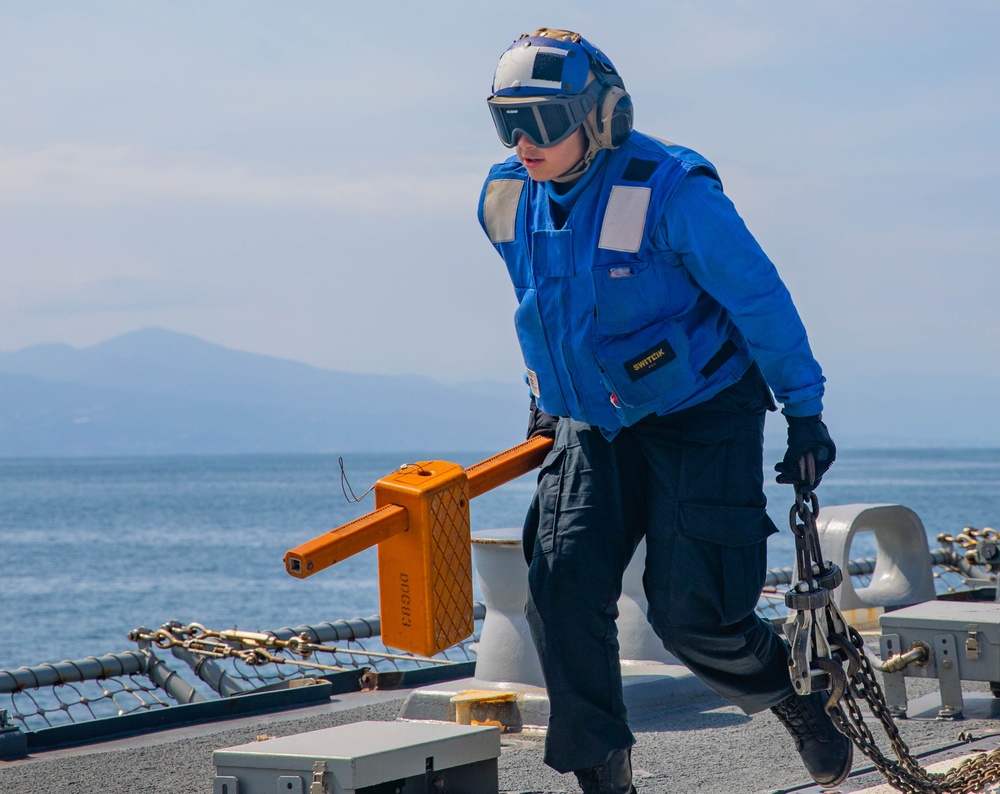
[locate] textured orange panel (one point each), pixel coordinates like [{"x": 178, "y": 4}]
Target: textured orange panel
[
  {"x": 425, "y": 573},
  {"x": 422, "y": 529}
]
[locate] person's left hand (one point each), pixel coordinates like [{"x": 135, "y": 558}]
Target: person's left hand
[{"x": 806, "y": 434}]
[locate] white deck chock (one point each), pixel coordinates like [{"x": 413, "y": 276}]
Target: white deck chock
[{"x": 903, "y": 572}]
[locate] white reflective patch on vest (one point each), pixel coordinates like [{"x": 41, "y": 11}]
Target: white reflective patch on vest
[
  {"x": 625, "y": 219},
  {"x": 500, "y": 209},
  {"x": 533, "y": 383}
]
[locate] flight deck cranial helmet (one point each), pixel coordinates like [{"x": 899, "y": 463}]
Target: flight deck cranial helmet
[{"x": 550, "y": 82}]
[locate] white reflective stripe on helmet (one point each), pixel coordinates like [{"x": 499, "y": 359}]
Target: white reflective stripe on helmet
[{"x": 517, "y": 69}]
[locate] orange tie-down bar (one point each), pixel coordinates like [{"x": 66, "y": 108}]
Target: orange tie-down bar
[{"x": 422, "y": 527}]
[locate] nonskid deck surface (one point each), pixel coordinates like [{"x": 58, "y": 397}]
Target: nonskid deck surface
[
  {"x": 864, "y": 780},
  {"x": 703, "y": 747}
]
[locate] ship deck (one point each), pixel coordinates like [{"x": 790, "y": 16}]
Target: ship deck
[{"x": 687, "y": 740}]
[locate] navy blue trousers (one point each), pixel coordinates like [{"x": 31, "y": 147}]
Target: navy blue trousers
[{"x": 691, "y": 483}]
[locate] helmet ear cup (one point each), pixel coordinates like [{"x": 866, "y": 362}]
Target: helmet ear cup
[{"x": 614, "y": 117}]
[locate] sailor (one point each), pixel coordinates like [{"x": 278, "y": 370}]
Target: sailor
[{"x": 654, "y": 330}]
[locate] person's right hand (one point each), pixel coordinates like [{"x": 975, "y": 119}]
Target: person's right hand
[{"x": 539, "y": 422}]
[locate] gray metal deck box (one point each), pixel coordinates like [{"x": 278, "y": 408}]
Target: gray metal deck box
[
  {"x": 964, "y": 642},
  {"x": 365, "y": 758}
]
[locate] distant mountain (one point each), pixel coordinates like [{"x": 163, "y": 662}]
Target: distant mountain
[{"x": 158, "y": 392}]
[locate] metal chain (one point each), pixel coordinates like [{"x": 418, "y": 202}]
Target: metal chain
[
  {"x": 822, "y": 643},
  {"x": 981, "y": 546},
  {"x": 970, "y": 536},
  {"x": 254, "y": 648},
  {"x": 212, "y": 646}
]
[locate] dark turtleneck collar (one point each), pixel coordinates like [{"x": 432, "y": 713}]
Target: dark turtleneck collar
[{"x": 563, "y": 196}]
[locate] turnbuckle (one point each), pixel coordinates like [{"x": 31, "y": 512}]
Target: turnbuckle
[
  {"x": 807, "y": 644},
  {"x": 814, "y": 634},
  {"x": 814, "y": 593}
]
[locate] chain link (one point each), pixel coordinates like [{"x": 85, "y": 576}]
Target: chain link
[
  {"x": 969, "y": 537},
  {"x": 822, "y": 643},
  {"x": 254, "y": 648}
]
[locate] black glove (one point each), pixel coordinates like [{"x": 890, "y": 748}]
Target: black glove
[
  {"x": 805, "y": 434},
  {"x": 539, "y": 422}
]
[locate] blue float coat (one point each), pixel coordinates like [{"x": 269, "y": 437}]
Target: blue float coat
[{"x": 650, "y": 297}]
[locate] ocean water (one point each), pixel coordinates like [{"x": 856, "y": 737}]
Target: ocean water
[{"x": 91, "y": 548}]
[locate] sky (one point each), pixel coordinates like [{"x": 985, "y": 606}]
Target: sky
[{"x": 300, "y": 179}]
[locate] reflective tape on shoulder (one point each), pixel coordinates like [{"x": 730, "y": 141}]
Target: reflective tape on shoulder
[
  {"x": 625, "y": 219},
  {"x": 500, "y": 209}
]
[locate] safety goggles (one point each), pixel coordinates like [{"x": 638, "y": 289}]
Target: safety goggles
[{"x": 547, "y": 120}]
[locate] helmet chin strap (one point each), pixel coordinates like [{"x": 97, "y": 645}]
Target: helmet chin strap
[
  {"x": 592, "y": 138},
  {"x": 584, "y": 162}
]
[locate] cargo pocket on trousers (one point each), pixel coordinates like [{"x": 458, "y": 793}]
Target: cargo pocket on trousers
[
  {"x": 719, "y": 561},
  {"x": 540, "y": 523}
]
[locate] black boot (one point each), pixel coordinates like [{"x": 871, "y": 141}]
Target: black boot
[
  {"x": 614, "y": 776},
  {"x": 825, "y": 751}
]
